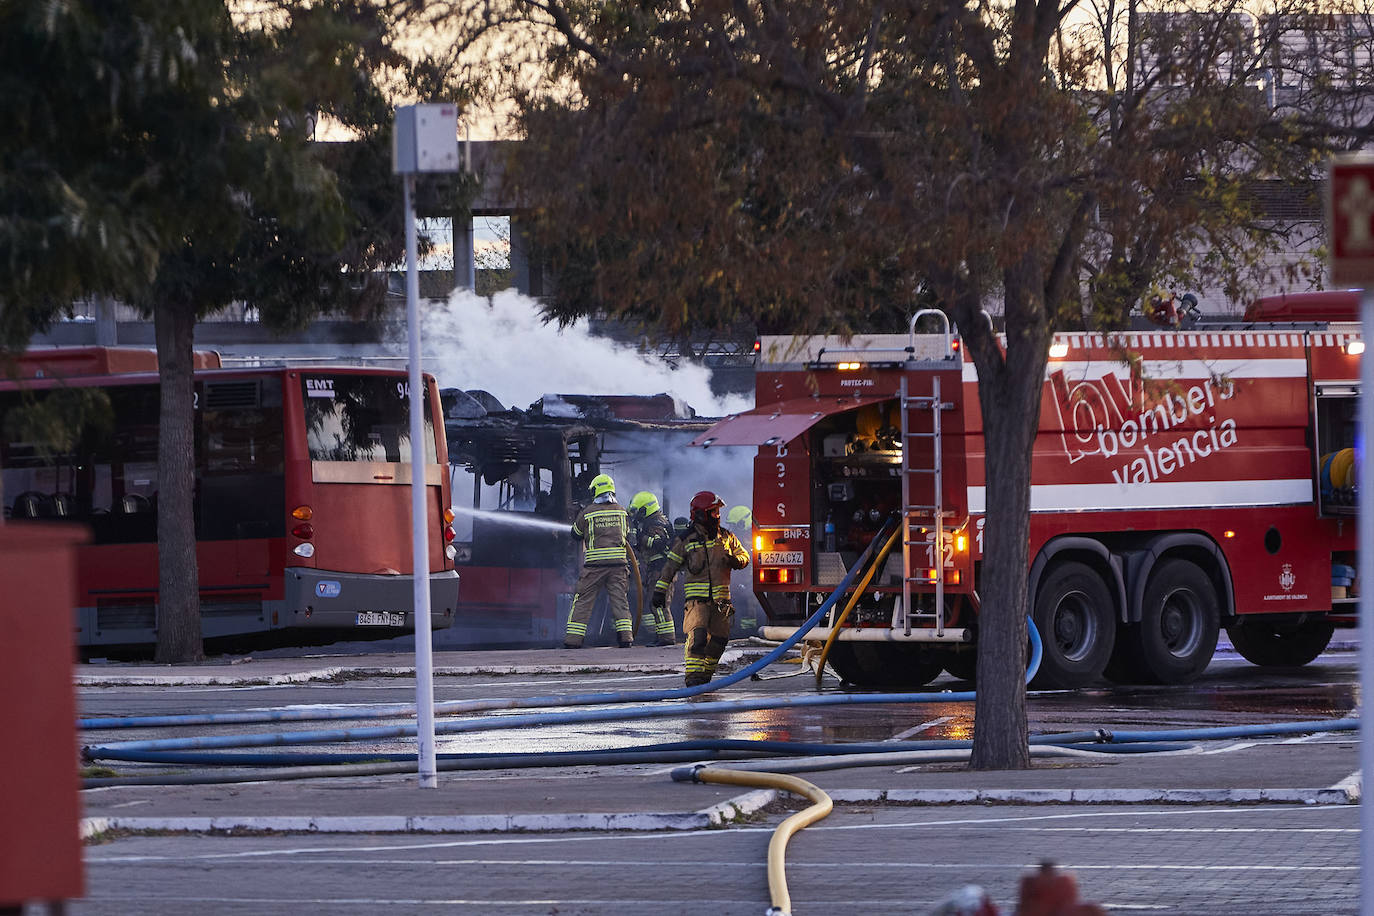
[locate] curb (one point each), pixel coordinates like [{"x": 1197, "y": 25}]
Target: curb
[
  {"x": 718, "y": 815},
  {"x": 1335, "y": 795},
  {"x": 187, "y": 678},
  {"x": 325, "y": 674},
  {"x": 203, "y": 680},
  {"x": 715, "y": 816}
]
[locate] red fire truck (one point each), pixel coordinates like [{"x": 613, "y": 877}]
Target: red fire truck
[{"x": 1181, "y": 482}]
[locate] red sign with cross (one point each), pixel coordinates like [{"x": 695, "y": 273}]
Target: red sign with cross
[{"x": 1350, "y": 220}]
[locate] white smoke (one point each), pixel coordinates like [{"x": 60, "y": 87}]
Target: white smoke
[
  {"x": 503, "y": 346},
  {"x": 665, "y": 465}
]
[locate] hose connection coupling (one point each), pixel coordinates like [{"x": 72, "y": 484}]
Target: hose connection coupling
[
  {"x": 687, "y": 773},
  {"x": 777, "y": 911},
  {"x": 1105, "y": 736}
]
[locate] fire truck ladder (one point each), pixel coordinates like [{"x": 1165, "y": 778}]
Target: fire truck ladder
[{"x": 920, "y": 517}]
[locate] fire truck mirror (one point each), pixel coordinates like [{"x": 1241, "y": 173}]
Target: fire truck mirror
[{"x": 1272, "y": 540}]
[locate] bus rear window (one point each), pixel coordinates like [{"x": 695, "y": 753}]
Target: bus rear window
[{"x": 361, "y": 418}]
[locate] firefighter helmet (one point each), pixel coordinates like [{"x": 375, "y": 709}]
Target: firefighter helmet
[
  {"x": 644, "y": 503},
  {"x": 706, "y": 503},
  {"x": 602, "y": 484},
  {"x": 740, "y": 515}
]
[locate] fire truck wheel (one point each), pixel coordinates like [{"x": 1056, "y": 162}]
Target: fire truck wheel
[
  {"x": 962, "y": 663},
  {"x": 1179, "y": 622},
  {"x": 1280, "y": 645},
  {"x": 882, "y": 664},
  {"x": 1075, "y": 616}
]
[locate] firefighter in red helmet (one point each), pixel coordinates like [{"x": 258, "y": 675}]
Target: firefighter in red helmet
[{"x": 708, "y": 554}]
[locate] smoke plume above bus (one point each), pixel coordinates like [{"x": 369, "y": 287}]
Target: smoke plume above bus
[{"x": 504, "y": 346}]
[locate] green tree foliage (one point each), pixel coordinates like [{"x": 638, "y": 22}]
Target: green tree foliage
[
  {"x": 818, "y": 166},
  {"x": 163, "y": 153}
]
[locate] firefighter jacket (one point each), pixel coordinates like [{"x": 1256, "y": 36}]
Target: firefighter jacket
[
  {"x": 602, "y": 528},
  {"x": 707, "y": 562},
  {"x": 655, "y": 537}
]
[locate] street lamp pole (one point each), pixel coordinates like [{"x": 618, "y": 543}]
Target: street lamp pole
[{"x": 425, "y": 140}]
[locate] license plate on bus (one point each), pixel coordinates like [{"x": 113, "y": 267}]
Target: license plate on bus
[
  {"x": 381, "y": 619},
  {"x": 780, "y": 558}
]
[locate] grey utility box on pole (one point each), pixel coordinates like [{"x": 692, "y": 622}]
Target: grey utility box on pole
[{"x": 425, "y": 140}]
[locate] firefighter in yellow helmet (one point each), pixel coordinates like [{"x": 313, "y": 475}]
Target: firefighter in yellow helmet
[
  {"x": 602, "y": 527},
  {"x": 708, "y": 554},
  {"x": 653, "y": 537},
  {"x": 741, "y": 521}
]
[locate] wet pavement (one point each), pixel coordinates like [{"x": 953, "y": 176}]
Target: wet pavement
[{"x": 1241, "y": 826}]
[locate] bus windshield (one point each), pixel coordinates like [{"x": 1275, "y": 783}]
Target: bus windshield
[{"x": 361, "y": 418}]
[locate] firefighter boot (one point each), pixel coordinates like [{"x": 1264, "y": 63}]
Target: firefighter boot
[
  {"x": 715, "y": 648},
  {"x": 647, "y": 626}
]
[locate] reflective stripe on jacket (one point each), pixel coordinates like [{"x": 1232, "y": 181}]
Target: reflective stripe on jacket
[
  {"x": 655, "y": 537},
  {"x": 707, "y": 563},
  {"x": 602, "y": 528}
]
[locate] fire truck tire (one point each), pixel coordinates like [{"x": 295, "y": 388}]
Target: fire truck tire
[
  {"x": 1076, "y": 619},
  {"x": 1281, "y": 645},
  {"x": 962, "y": 663},
  {"x": 1179, "y": 623},
  {"x": 1125, "y": 666},
  {"x": 884, "y": 664}
]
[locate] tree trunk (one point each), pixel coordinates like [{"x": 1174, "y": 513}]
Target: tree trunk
[
  {"x": 178, "y": 580},
  {"x": 1010, "y": 402}
]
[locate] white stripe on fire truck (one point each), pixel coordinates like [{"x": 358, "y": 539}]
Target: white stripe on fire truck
[
  {"x": 1174, "y": 495},
  {"x": 1176, "y": 369}
]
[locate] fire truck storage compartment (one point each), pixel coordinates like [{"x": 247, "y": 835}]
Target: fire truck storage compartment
[
  {"x": 1334, "y": 420},
  {"x": 859, "y": 484}
]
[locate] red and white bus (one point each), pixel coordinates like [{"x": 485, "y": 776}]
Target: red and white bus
[
  {"x": 1181, "y": 482},
  {"x": 302, "y": 497}
]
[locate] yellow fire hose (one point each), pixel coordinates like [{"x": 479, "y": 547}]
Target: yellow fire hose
[
  {"x": 853, "y": 600},
  {"x": 777, "y": 846}
]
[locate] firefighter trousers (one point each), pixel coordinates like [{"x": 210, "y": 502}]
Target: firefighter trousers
[
  {"x": 707, "y": 624},
  {"x": 614, "y": 581},
  {"x": 655, "y": 624}
]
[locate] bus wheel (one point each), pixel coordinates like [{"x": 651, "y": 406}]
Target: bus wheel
[
  {"x": 884, "y": 664},
  {"x": 1075, "y": 617},
  {"x": 1179, "y": 623},
  {"x": 1280, "y": 645}
]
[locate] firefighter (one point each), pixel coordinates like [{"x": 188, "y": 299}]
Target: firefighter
[
  {"x": 653, "y": 535},
  {"x": 708, "y": 554},
  {"x": 602, "y": 527},
  {"x": 741, "y": 522}
]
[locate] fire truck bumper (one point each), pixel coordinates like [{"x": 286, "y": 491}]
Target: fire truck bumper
[{"x": 873, "y": 634}]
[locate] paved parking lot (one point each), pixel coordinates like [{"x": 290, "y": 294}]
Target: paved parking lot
[{"x": 1221, "y": 847}]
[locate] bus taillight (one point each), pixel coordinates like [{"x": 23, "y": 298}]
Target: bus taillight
[
  {"x": 448, "y": 518},
  {"x": 449, "y": 533},
  {"x": 302, "y": 513},
  {"x": 304, "y": 531}
]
